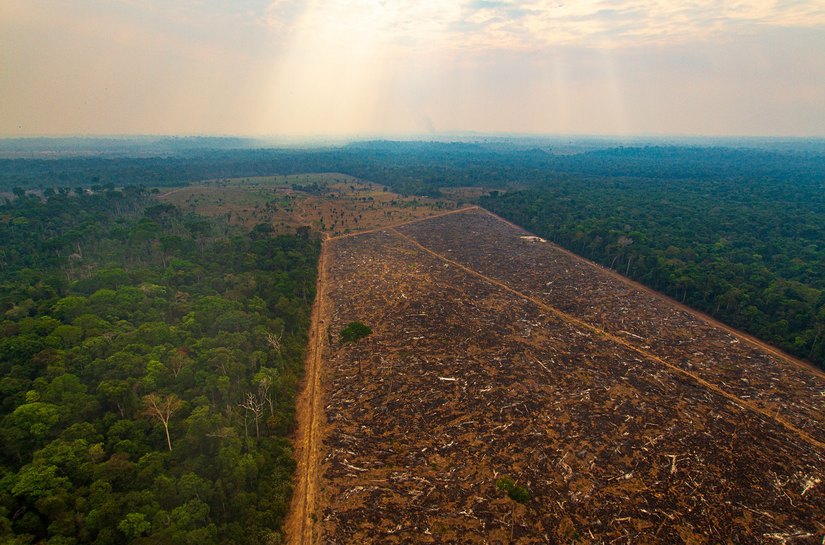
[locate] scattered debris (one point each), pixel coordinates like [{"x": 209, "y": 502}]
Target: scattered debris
[{"x": 613, "y": 445}]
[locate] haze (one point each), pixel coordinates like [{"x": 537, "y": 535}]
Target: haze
[{"x": 357, "y": 67}]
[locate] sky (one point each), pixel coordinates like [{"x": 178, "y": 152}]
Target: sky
[{"x": 393, "y": 67}]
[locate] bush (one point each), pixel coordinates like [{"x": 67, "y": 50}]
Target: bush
[
  {"x": 514, "y": 492},
  {"x": 354, "y": 331}
]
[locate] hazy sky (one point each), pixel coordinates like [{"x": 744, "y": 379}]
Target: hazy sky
[{"x": 332, "y": 67}]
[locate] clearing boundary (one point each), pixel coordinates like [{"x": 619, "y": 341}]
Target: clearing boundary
[
  {"x": 708, "y": 319},
  {"x": 299, "y": 525}
]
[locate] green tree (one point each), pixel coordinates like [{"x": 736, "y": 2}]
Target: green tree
[
  {"x": 352, "y": 333},
  {"x": 134, "y": 525},
  {"x": 35, "y": 481}
]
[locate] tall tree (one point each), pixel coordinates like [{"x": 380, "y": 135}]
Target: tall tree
[{"x": 162, "y": 409}]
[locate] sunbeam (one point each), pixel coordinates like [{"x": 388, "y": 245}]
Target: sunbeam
[{"x": 379, "y": 66}]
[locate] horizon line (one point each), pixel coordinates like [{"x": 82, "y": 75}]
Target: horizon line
[{"x": 412, "y": 136}]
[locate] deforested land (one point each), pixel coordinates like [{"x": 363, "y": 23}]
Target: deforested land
[{"x": 496, "y": 357}]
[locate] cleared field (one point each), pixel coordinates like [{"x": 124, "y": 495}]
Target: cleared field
[
  {"x": 629, "y": 419},
  {"x": 331, "y": 203},
  {"x": 790, "y": 391},
  {"x": 468, "y": 193}
]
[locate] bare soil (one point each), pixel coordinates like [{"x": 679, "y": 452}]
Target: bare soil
[
  {"x": 628, "y": 418},
  {"x": 345, "y": 205},
  {"x": 758, "y": 375},
  {"x": 300, "y": 523}
]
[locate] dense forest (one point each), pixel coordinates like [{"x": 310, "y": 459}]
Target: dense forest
[
  {"x": 749, "y": 252},
  {"x": 148, "y": 368},
  {"x": 421, "y": 168}
]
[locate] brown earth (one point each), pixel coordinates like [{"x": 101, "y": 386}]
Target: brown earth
[
  {"x": 299, "y": 525},
  {"x": 343, "y": 204},
  {"x": 632, "y": 313},
  {"x": 628, "y": 418}
]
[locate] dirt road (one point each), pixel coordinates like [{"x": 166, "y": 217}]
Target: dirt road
[{"x": 299, "y": 526}]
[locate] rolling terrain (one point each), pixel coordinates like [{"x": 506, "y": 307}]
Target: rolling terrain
[{"x": 629, "y": 418}]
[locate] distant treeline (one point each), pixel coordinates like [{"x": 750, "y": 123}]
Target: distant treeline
[
  {"x": 418, "y": 168},
  {"x": 117, "y": 146},
  {"x": 148, "y": 367}
]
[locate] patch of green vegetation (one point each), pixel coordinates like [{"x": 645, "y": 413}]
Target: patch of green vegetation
[
  {"x": 518, "y": 494},
  {"x": 354, "y": 331}
]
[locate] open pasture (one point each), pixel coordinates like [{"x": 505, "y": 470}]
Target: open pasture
[{"x": 330, "y": 203}]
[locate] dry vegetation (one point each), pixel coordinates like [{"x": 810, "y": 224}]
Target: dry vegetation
[
  {"x": 335, "y": 204},
  {"x": 468, "y": 193},
  {"x": 629, "y": 420}
]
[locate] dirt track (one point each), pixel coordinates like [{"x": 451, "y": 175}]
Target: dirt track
[
  {"x": 300, "y": 525},
  {"x": 629, "y": 419}
]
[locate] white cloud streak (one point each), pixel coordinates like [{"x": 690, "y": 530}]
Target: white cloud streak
[{"x": 537, "y": 24}]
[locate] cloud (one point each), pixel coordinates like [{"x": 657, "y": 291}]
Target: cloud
[
  {"x": 321, "y": 66},
  {"x": 283, "y": 14},
  {"x": 535, "y": 24},
  {"x": 487, "y": 4}
]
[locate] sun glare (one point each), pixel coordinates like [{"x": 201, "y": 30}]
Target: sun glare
[
  {"x": 394, "y": 66},
  {"x": 339, "y": 59}
]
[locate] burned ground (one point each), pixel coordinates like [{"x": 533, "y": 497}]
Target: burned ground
[{"x": 629, "y": 420}]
